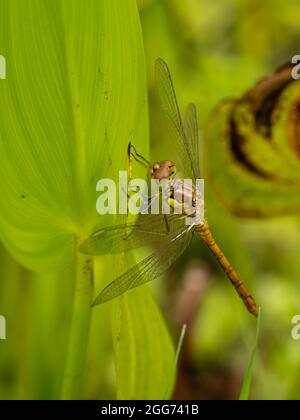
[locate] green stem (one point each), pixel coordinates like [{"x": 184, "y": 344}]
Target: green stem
[{"x": 78, "y": 340}]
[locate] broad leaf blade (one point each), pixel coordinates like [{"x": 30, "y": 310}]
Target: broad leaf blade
[
  {"x": 143, "y": 348},
  {"x": 73, "y": 98}
]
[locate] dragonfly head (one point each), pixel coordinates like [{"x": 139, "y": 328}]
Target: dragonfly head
[{"x": 164, "y": 169}]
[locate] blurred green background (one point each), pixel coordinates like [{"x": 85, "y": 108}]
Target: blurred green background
[
  {"x": 218, "y": 50},
  {"x": 215, "y": 50}
]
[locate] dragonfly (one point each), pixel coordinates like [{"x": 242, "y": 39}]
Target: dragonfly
[{"x": 170, "y": 235}]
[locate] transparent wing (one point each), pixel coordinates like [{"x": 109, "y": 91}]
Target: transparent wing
[
  {"x": 149, "y": 229},
  {"x": 192, "y": 136},
  {"x": 171, "y": 110},
  {"x": 148, "y": 269}
]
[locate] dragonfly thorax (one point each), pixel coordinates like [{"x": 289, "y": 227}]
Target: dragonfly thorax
[
  {"x": 180, "y": 195},
  {"x": 186, "y": 196}
]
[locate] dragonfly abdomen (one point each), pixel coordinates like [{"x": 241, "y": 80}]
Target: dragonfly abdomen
[{"x": 205, "y": 234}]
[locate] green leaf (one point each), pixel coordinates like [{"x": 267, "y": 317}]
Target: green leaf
[
  {"x": 172, "y": 374},
  {"x": 75, "y": 94},
  {"x": 143, "y": 348},
  {"x": 245, "y": 391}
]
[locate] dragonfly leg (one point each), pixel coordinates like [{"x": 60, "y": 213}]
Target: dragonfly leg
[
  {"x": 132, "y": 153},
  {"x": 148, "y": 201},
  {"x": 167, "y": 224}
]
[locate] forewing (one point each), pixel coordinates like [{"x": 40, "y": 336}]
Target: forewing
[
  {"x": 171, "y": 111},
  {"x": 148, "y": 230},
  {"x": 148, "y": 269},
  {"x": 192, "y": 137}
]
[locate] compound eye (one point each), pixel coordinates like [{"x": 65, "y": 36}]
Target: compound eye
[
  {"x": 171, "y": 169},
  {"x": 156, "y": 166}
]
